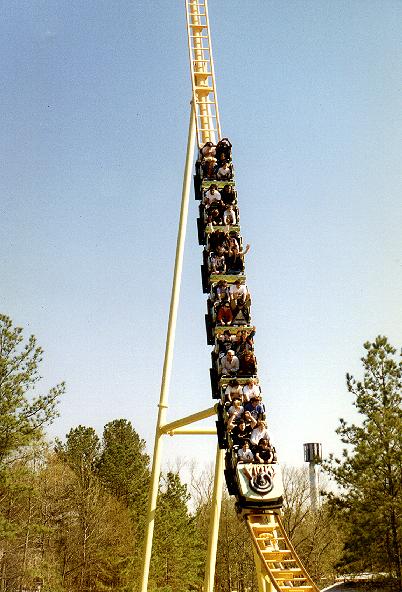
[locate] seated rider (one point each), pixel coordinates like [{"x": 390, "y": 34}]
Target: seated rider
[
  {"x": 235, "y": 412},
  {"x": 220, "y": 292},
  {"x": 224, "y": 343},
  {"x": 235, "y": 259},
  {"x": 247, "y": 364},
  {"x": 232, "y": 241},
  {"x": 244, "y": 453},
  {"x": 243, "y": 341},
  {"x": 249, "y": 419},
  {"x": 223, "y": 148},
  {"x": 218, "y": 264},
  {"x": 228, "y": 195},
  {"x": 224, "y": 172},
  {"x": 239, "y": 292},
  {"x": 241, "y": 432},
  {"x": 216, "y": 239},
  {"x": 260, "y": 431},
  {"x": 255, "y": 407},
  {"x": 211, "y": 196},
  {"x": 251, "y": 389},
  {"x": 229, "y": 216},
  {"x": 264, "y": 453},
  {"x": 208, "y": 150},
  {"x": 224, "y": 316},
  {"x": 208, "y": 160},
  {"x": 233, "y": 391},
  {"x": 213, "y": 216},
  {"x": 229, "y": 363}
]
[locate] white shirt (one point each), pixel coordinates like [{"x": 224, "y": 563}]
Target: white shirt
[
  {"x": 223, "y": 293},
  {"x": 229, "y": 366},
  {"x": 238, "y": 292},
  {"x": 210, "y": 198},
  {"x": 235, "y": 411},
  {"x": 245, "y": 455},
  {"x": 234, "y": 392},
  {"x": 224, "y": 173},
  {"x": 229, "y": 217},
  {"x": 251, "y": 392},
  {"x": 208, "y": 151},
  {"x": 257, "y": 434}
]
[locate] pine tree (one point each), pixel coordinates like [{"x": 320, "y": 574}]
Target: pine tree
[
  {"x": 123, "y": 464},
  {"x": 369, "y": 471},
  {"x": 88, "y": 544},
  {"x": 23, "y": 417},
  {"x": 100, "y": 544},
  {"x": 22, "y": 414},
  {"x": 81, "y": 450},
  {"x": 123, "y": 468},
  {"x": 176, "y": 565}
]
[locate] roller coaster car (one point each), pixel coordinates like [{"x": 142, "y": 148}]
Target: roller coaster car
[
  {"x": 197, "y": 182},
  {"x": 258, "y": 486},
  {"x": 204, "y": 279},
  {"x": 216, "y": 393},
  {"x": 221, "y": 428},
  {"x": 230, "y": 279},
  {"x": 234, "y": 228},
  {"x": 209, "y": 330},
  {"x": 200, "y": 231}
]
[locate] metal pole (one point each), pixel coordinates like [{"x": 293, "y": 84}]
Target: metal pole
[
  {"x": 262, "y": 583},
  {"x": 167, "y": 365},
  {"x": 195, "y": 432},
  {"x": 174, "y": 425},
  {"x": 214, "y": 522}
]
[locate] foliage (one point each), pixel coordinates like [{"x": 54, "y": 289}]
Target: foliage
[
  {"x": 176, "y": 564},
  {"x": 74, "y": 520},
  {"x": 22, "y": 415},
  {"x": 81, "y": 452},
  {"x": 123, "y": 464},
  {"x": 123, "y": 468},
  {"x": 369, "y": 471},
  {"x": 235, "y": 569},
  {"x": 88, "y": 542},
  {"x": 316, "y": 536}
]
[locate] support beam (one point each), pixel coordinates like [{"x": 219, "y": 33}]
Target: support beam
[
  {"x": 195, "y": 432},
  {"x": 214, "y": 522},
  {"x": 167, "y": 364},
  {"x": 262, "y": 583},
  {"x": 168, "y": 427}
]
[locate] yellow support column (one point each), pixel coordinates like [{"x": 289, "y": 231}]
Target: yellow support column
[
  {"x": 214, "y": 522},
  {"x": 167, "y": 365},
  {"x": 264, "y": 584}
]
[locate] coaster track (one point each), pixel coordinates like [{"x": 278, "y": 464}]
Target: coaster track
[
  {"x": 257, "y": 487},
  {"x": 278, "y": 557}
]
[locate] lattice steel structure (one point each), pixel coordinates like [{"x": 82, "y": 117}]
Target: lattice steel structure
[{"x": 277, "y": 564}]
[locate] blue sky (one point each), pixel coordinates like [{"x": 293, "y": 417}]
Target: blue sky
[{"x": 95, "y": 106}]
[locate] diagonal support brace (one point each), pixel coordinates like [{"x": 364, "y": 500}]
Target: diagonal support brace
[{"x": 173, "y": 425}]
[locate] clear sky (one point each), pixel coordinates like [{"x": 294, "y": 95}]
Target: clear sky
[{"x": 95, "y": 107}]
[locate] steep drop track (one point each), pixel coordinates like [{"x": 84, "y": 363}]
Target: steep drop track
[{"x": 277, "y": 556}]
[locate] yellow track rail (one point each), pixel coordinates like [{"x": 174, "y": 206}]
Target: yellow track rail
[
  {"x": 277, "y": 554},
  {"x": 202, "y": 72}
]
